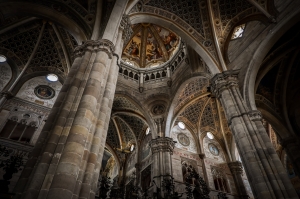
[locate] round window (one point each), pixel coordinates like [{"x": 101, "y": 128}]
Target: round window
[{"x": 181, "y": 125}]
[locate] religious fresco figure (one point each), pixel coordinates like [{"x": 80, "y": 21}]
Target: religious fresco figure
[
  {"x": 133, "y": 49},
  {"x": 170, "y": 41}
]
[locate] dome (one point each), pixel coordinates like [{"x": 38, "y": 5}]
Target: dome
[{"x": 150, "y": 46}]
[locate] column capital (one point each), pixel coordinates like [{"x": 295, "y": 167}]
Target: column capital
[
  {"x": 224, "y": 80},
  {"x": 164, "y": 144},
  {"x": 236, "y": 167},
  {"x": 125, "y": 26},
  {"x": 95, "y": 46}
]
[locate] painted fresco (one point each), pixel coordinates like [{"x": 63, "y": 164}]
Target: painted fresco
[
  {"x": 170, "y": 40},
  {"x": 132, "y": 52},
  {"x": 154, "y": 53},
  {"x": 150, "y": 46}
]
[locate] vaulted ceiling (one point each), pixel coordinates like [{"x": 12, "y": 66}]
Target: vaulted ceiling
[
  {"x": 277, "y": 89},
  {"x": 127, "y": 124}
]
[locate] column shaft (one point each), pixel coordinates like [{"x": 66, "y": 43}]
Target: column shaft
[
  {"x": 57, "y": 117},
  {"x": 76, "y": 147},
  {"x": 265, "y": 172}
]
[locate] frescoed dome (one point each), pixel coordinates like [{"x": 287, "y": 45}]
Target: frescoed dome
[{"x": 150, "y": 46}]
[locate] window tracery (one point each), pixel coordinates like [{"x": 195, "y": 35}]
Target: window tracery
[{"x": 219, "y": 180}]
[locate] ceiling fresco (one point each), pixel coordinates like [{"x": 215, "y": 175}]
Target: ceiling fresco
[{"x": 150, "y": 46}]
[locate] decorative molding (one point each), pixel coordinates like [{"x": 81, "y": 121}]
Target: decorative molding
[
  {"x": 236, "y": 167},
  {"x": 163, "y": 144},
  {"x": 158, "y": 109},
  {"x": 255, "y": 115},
  {"x": 223, "y": 81},
  {"x": 125, "y": 26},
  {"x": 95, "y": 46},
  {"x": 26, "y": 105}
]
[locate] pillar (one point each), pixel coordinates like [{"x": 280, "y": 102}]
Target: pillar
[
  {"x": 236, "y": 169},
  {"x": 265, "y": 172},
  {"x": 162, "y": 149},
  {"x": 66, "y": 161},
  {"x": 141, "y": 82},
  {"x": 169, "y": 82}
]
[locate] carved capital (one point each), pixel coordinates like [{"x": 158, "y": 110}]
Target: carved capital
[
  {"x": 164, "y": 144},
  {"x": 95, "y": 46},
  {"x": 255, "y": 115},
  {"x": 7, "y": 94},
  {"x": 223, "y": 81},
  {"x": 125, "y": 26},
  {"x": 236, "y": 167}
]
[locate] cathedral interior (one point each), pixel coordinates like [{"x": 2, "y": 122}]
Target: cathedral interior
[{"x": 149, "y": 99}]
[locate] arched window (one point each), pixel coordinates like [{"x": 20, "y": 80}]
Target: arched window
[
  {"x": 219, "y": 180},
  {"x": 18, "y": 130}
]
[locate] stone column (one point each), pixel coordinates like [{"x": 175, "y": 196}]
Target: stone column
[
  {"x": 236, "y": 169},
  {"x": 71, "y": 146},
  {"x": 105, "y": 112},
  {"x": 265, "y": 172},
  {"x": 169, "y": 82},
  {"x": 58, "y": 123},
  {"x": 292, "y": 147},
  {"x": 141, "y": 82},
  {"x": 162, "y": 149},
  {"x": 159, "y": 124}
]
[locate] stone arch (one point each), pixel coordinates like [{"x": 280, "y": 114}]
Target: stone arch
[
  {"x": 259, "y": 54},
  {"x": 193, "y": 146},
  {"x": 257, "y": 17},
  {"x": 13, "y": 62},
  {"x": 23, "y": 8},
  {"x": 6, "y": 75},
  {"x": 141, "y": 108},
  {"x": 171, "y": 111},
  {"x": 280, "y": 129},
  {"x": 222, "y": 156},
  {"x": 112, "y": 151},
  {"x": 182, "y": 32}
]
